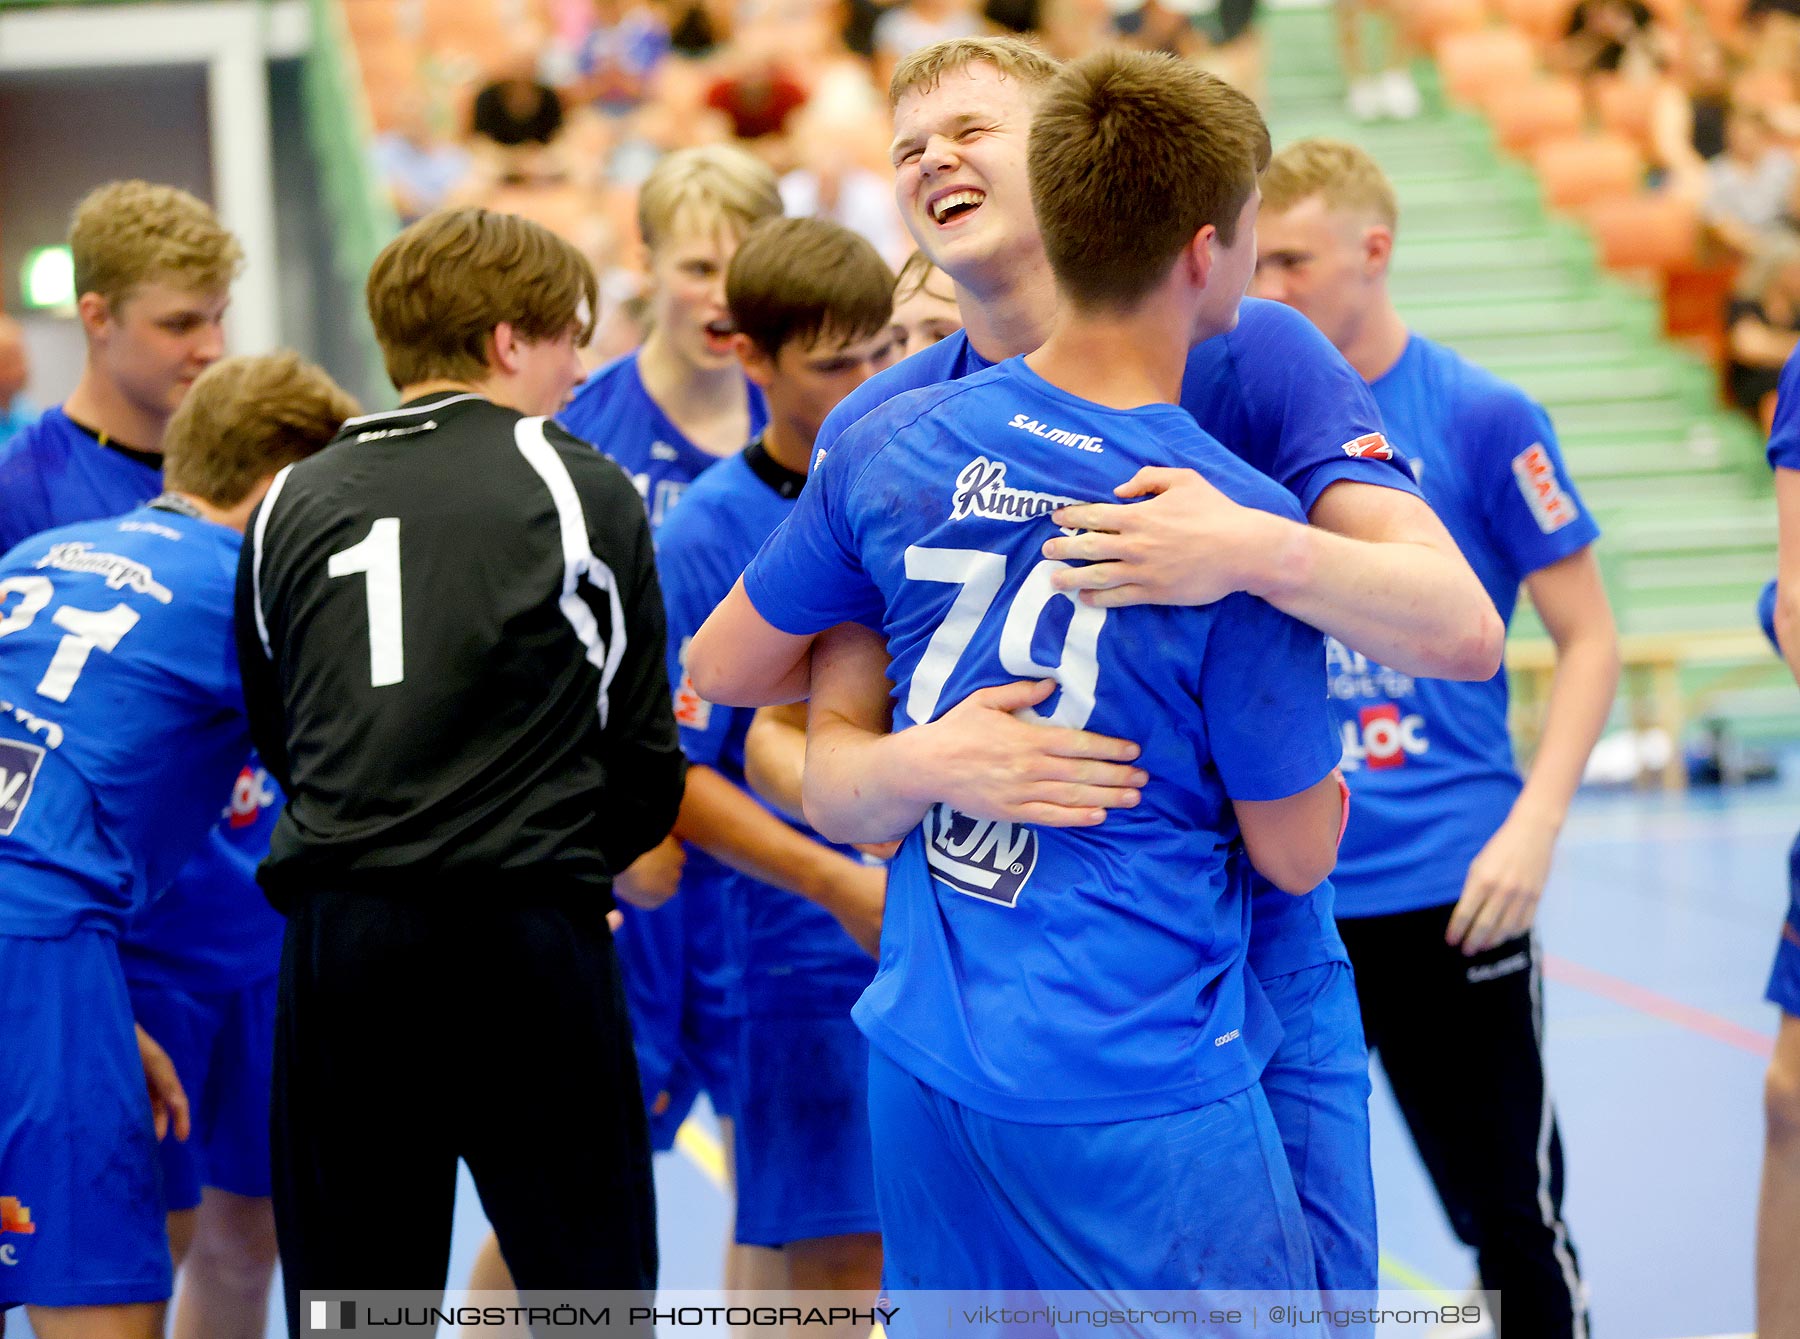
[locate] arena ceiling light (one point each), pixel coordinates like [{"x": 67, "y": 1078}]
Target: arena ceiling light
[{"x": 47, "y": 279}]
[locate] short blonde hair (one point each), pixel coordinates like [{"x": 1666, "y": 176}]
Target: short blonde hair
[
  {"x": 127, "y": 233},
  {"x": 1014, "y": 57},
  {"x": 1344, "y": 176},
  {"x": 244, "y": 418},
  {"x": 437, "y": 291},
  {"x": 712, "y": 186}
]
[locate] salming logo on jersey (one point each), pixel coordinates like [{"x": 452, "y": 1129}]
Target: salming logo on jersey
[
  {"x": 1370, "y": 446},
  {"x": 18, "y": 769},
  {"x": 1081, "y": 441},
  {"x": 981, "y": 490},
  {"x": 251, "y": 793},
  {"x": 119, "y": 572},
  {"x": 982, "y": 857},
  {"x": 1551, "y": 506}
]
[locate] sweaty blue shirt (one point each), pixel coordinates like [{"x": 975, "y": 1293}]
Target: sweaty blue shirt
[
  {"x": 121, "y": 714},
  {"x": 1057, "y": 975},
  {"x": 1430, "y": 762},
  {"x": 1277, "y": 394},
  {"x": 614, "y": 412},
  {"x": 213, "y": 930},
  {"x": 796, "y": 957}
]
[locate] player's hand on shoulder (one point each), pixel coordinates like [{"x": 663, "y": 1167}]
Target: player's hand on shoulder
[
  {"x": 653, "y": 877},
  {"x": 168, "y": 1100},
  {"x": 1184, "y": 543},
  {"x": 1505, "y": 882},
  {"x": 993, "y": 765}
]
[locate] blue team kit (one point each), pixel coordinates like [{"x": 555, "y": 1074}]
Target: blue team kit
[
  {"x": 1058, "y": 977},
  {"x": 803, "y": 1156},
  {"x": 1784, "y": 453},
  {"x": 679, "y": 970},
  {"x": 1429, "y": 760},
  {"x": 122, "y": 731}
]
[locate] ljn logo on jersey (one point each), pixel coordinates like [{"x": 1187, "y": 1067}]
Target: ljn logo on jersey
[
  {"x": 1551, "y": 506},
  {"x": 18, "y": 770},
  {"x": 982, "y": 857},
  {"x": 1381, "y": 737},
  {"x": 251, "y": 793},
  {"x": 1370, "y": 446}
]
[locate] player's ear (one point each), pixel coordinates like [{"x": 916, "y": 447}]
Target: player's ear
[
  {"x": 1196, "y": 259},
  {"x": 503, "y": 349},
  {"x": 1378, "y": 249},
  {"x": 757, "y": 364},
  {"x": 96, "y": 313}
]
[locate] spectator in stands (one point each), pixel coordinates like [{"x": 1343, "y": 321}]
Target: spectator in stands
[
  {"x": 420, "y": 168},
  {"x": 619, "y": 54},
  {"x": 517, "y": 115},
  {"x": 1747, "y": 185},
  {"x": 1610, "y": 37},
  {"x": 833, "y": 180},
  {"x": 1072, "y": 28},
  {"x": 912, "y": 24},
  {"x": 758, "y": 96},
  {"x": 1765, "y": 324},
  {"x": 15, "y": 373},
  {"x": 1159, "y": 25},
  {"x": 1387, "y": 90}
]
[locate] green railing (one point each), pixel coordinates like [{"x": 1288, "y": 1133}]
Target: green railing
[{"x": 338, "y": 132}]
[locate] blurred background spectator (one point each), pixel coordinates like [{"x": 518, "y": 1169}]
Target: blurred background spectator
[
  {"x": 1765, "y": 323},
  {"x": 421, "y": 167}
]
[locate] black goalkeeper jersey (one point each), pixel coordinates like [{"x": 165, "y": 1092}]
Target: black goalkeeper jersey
[{"x": 453, "y": 654}]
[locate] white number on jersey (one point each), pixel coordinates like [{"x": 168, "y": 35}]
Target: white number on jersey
[
  {"x": 981, "y": 574},
  {"x": 378, "y": 557},
  {"x": 86, "y": 629}
]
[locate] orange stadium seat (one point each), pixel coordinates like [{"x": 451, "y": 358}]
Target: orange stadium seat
[
  {"x": 1430, "y": 21},
  {"x": 1582, "y": 170},
  {"x": 1474, "y": 63},
  {"x": 1626, "y": 107},
  {"x": 1527, "y": 114},
  {"x": 1645, "y": 232},
  {"x": 1543, "y": 21}
]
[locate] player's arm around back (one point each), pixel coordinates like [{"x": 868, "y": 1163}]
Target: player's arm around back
[
  {"x": 1293, "y": 842},
  {"x": 642, "y": 751}
]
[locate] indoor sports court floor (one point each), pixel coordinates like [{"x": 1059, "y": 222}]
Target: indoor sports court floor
[{"x": 1660, "y": 922}]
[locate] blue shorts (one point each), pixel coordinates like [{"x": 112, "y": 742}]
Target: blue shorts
[
  {"x": 1194, "y": 1199},
  {"x": 1317, "y": 1084},
  {"x": 81, "y": 1210},
  {"x": 223, "y": 1046},
  {"x": 1784, "y": 978},
  {"x": 677, "y": 973},
  {"x": 804, "y": 1164}
]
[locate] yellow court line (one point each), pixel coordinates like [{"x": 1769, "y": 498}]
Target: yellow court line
[
  {"x": 703, "y": 1149},
  {"x": 1408, "y": 1277}
]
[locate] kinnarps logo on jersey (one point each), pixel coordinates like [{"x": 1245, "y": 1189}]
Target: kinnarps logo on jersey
[
  {"x": 982, "y": 857},
  {"x": 981, "y": 490},
  {"x": 79, "y": 556},
  {"x": 18, "y": 770}
]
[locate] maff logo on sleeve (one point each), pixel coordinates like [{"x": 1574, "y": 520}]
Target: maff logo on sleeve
[
  {"x": 18, "y": 770},
  {"x": 1551, "y": 506},
  {"x": 986, "y": 858},
  {"x": 691, "y": 710}
]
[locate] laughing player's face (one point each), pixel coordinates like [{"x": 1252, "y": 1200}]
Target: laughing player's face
[
  {"x": 687, "y": 272},
  {"x": 959, "y": 171},
  {"x": 152, "y": 343}
]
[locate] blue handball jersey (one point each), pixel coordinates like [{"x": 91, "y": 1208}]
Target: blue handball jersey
[
  {"x": 614, "y": 412},
  {"x": 1430, "y": 762},
  {"x": 1784, "y": 454},
  {"x": 1057, "y": 975},
  {"x": 213, "y": 930},
  {"x": 1277, "y": 395},
  {"x": 121, "y": 714},
  {"x": 796, "y": 957}
]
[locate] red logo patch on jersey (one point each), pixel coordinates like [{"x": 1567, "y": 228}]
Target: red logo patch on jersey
[
  {"x": 1790, "y": 934},
  {"x": 1370, "y": 446},
  {"x": 15, "y": 1217},
  {"x": 250, "y": 795},
  {"x": 1551, "y": 506}
]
